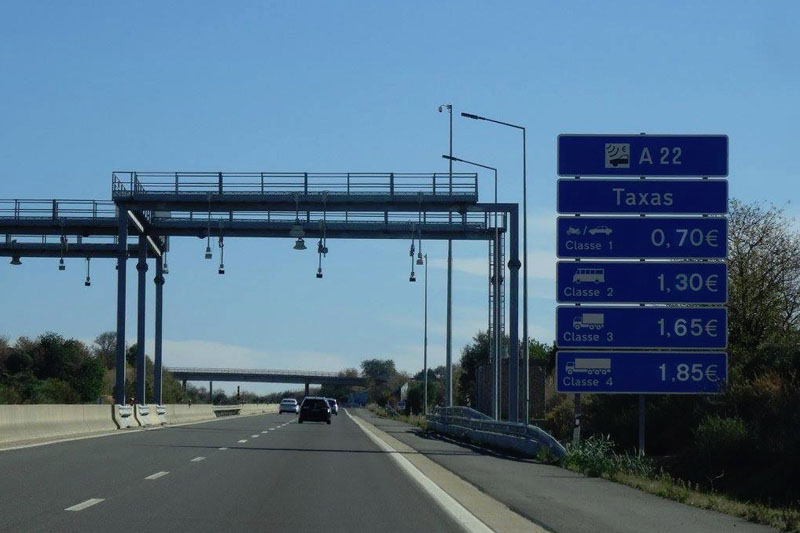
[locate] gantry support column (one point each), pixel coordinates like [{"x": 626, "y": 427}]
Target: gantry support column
[
  {"x": 496, "y": 287},
  {"x": 159, "y": 281},
  {"x": 513, "y": 317},
  {"x": 307, "y": 387},
  {"x": 122, "y": 243},
  {"x": 141, "y": 268}
]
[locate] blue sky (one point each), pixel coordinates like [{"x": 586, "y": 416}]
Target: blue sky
[{"x": 90, "y": 87}]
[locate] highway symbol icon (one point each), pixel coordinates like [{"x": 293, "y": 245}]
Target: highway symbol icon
[{"x": 618, "y": 155}]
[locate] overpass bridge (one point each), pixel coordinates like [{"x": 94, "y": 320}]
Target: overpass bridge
[{"x": 264, "y": 376}]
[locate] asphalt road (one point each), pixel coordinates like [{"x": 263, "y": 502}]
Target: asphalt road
[{"x": 241, "y": 473}]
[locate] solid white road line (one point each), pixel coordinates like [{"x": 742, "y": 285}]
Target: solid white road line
[
  {"x": 84, "y": 505},
  {"x": 157, "y": 475},
  {"x": 197, "y": 459},
  {"x": 448, "y": 504},
  {"x": 242, "y": 441}
]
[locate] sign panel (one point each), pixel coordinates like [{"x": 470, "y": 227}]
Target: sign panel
[
  {"x": 635, "y": 237},
  {"x": 639, "y": 282},
  {"x": 643, "y": 155},
  {"x": 641, "y": 327},
  {"x": 643, "y": 196},
  {"x": 641, "y": 372}
]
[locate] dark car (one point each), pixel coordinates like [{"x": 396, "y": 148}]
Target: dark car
[{"x": 314, "y": 409}]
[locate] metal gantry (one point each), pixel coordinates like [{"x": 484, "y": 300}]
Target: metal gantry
[{"x": 153, "y": 206}]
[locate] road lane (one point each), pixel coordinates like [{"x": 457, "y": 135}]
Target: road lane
[{"x": 309, "y": 477}]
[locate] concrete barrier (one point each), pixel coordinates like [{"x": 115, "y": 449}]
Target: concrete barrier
[
  {"x": 161, "y": 413},
  {"x": 142, "y": 415},
  {"x": 178, "y": 413},
  {"x": 153, "y": 415},
  {"x": 19, "y": 423},
  {"x": 258, "y": 408},
  {"x": 123, "y": 417}
]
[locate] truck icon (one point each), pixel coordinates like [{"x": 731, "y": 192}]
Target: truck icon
[
  {"x": 589, "y": 366},
  {"x": 589, "y": 321}
]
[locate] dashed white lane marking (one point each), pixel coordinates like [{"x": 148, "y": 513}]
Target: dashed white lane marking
[
  {"x": 254, "y": 436},
  {"x": 157, "y": 475},
  {"x": 272, "y": 429},
  {"x": 242, "y": 441},
  {"x": 197, "y": 459},
  {"x": 265, "y": 431},
  {"x": 458, "y": 512},
  {"x": 223, "y": 448},
  {"x": 83, "y": 505}
]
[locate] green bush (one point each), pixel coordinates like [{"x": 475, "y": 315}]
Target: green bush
[
  {"x": 720, "y": 441},
  {"x": 55, "y": 391},
  {"x": 593, "y": 456}
]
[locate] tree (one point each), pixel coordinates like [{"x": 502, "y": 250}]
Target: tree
[
  {"x": 472, "y": 356},
  {"x": 88, "y": 383},
  {"x": 380, "y": 374},
  {"x": 105, "y": 348},
  {"x": 764, "y": 285}
]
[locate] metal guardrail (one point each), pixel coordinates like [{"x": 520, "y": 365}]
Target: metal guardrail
[
  {"x": 466, "y": 418},
  {"x": 126, "y": 183},
  {"x": 56, "y": 209}
]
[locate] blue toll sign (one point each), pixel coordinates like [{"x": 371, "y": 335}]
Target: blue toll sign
[
  {"x": 641, "y": 327},
  {"x": 656, "y": 196},
  {"x": 633, "y": 237},
  {"x": 643, "y": 155},
  {"x": 641, "y": 372},
  {"x": 640, "y": 282}
]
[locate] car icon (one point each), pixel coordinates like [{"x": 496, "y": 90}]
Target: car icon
[
  {"x": 573, "y": 231},
  {"x": 600, "y": 229},
  {"x": 619, "y": 161}
]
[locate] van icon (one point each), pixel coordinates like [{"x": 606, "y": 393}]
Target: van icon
[{"x": 589, "y": 275}]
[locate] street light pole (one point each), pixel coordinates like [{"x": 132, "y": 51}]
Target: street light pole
[
  {"x": 526, "y": 367},
  {"x": 496, "y": 288},
  {"x": 425, "y": 342},
  {"x": 448, "y": 393}
]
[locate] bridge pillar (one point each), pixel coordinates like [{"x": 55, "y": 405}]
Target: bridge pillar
[
  {"x": 307, "y": 388},
  {"x": 159, "y": 281},
  {"x": 141, "y": 268},
  {"x": 122, "y": 243},
  {"x": 513, "y": 317},
  {"x": 211, "y": 392}
]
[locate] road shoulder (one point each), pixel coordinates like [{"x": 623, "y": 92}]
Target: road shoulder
[{"x": 491, "y": 512}]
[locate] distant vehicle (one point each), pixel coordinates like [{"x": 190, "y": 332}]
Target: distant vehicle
[
  {"x": 333, "y": 404},
  {"x": 288, "y": 405},
  {"x": 589, "y": 321},
  {"x": 314, "y": 408},
  {"x": 573, "y": 231},
  {"x": 589, "y": 366},
  {"x": 589, "y": 275},
  {"x": 600, "y": 229}
]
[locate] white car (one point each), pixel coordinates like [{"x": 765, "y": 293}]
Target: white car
[{"x": 288, "y": 405}]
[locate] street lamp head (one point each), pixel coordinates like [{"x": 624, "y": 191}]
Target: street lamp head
[
  {"x": 473, "y": 117},
  {"x": 15, "y": 260},
  {"x": 449, "y": 108},
  {"x": 450, "y": 158},
  {"x": 300, "y": 244}
]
